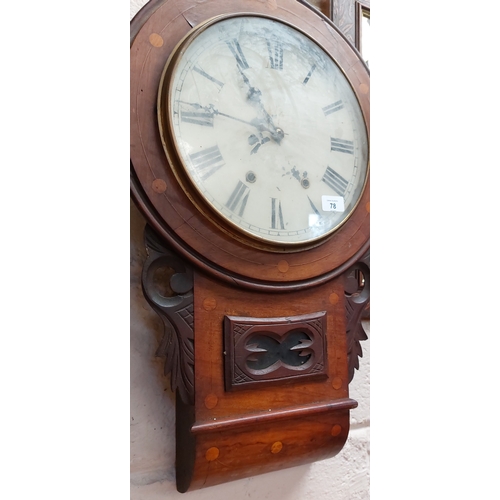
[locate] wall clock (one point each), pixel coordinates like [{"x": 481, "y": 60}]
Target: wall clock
[{"x": 250, "y": 162}]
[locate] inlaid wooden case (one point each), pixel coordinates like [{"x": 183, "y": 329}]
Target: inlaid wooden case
[{"x": 262, "y": 312}]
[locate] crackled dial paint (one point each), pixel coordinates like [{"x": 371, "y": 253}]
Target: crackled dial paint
[{"x": 267, "y": 128}]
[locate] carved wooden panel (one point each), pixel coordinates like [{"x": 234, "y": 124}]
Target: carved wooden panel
[
  {"x": 343, "y": 16},
  {"x": 167, "y": 283},
  {"x": 264, "y": 350},
  {"x": 357, "y": 301}
]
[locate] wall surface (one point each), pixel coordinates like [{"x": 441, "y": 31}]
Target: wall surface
[{"x": 152, "y": 418}]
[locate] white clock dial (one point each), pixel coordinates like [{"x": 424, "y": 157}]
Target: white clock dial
[{"x": 267, "y": 128}]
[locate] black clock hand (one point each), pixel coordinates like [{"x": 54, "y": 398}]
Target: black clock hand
[
  {"x": 253, "y": 93},
  {"x": 259, "y": 124},
  {"x": 254, "y": 96},
  {"x": 211, "y": 111}
]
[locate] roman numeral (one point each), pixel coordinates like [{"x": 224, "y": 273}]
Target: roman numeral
[
  {"x": 235, "y": 49},
  {"x": 207, "y": 76},
  {"x": 275, "y": 49},
  {"x": 207, "y": 162},
  {"x": 203, "y": 117},
  {"x": 335, "y": 181},
  {"x": 311, "y": 71},
  {"x": 342, "y": 145},
  {"x": 276, "y": 214},
  {"x": 238, "y": 199},
  {"x": 331, "y": 108}
]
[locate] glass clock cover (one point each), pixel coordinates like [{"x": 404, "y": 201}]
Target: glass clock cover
[{"x": 267, "y": 128}]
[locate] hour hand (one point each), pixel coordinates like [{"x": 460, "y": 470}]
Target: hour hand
[{"x": 254, "y": 93}]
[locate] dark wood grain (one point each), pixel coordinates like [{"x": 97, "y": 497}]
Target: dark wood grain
[{"x": 301, "y": 414}]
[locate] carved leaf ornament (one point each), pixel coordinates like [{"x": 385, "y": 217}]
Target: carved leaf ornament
[
  {"x": 175, "y": 308},
  {"x": 357, "y": 294}
]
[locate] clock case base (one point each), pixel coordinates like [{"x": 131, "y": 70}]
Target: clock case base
[
  {"x": 272, "y": 425},
  {"x": 290, "y": 413},
  {"x": 212, "y": 453}
]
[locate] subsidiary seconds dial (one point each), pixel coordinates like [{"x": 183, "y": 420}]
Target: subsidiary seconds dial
[{"x": 261, "y": 122}]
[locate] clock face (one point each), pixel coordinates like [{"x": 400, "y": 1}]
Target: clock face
[{"x": 266, "y": 127}]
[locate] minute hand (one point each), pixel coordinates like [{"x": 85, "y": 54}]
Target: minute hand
[{"x": 258, "y": 123}]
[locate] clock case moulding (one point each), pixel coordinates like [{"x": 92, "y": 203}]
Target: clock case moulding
[{"x": 219, "y": 295}]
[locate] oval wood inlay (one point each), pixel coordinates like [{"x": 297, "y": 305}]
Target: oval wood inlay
[
  {"x": 209, "y": 304},
  {"x": 283, "y": 266},
  {"x": 336, "y": 430},
  {"x": 212, "y": 454},
  {"x": 159, "y": 186},
  {"x": 155, "y": 40},
  {"x": 333, "y": 298},
  {"x": 337, "y": 383},
  {"x": 211, "y": 401},
  {"x": 363, "y": 88},
  {"x": 276, "y": 447}
]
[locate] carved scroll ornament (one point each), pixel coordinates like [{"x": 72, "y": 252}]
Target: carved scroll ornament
[
  {"x": 167, "y": 283},
  {"x": 357, "y": 300}
]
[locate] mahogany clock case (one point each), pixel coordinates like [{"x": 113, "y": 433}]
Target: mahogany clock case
[{"x": 234, "y": 300}]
